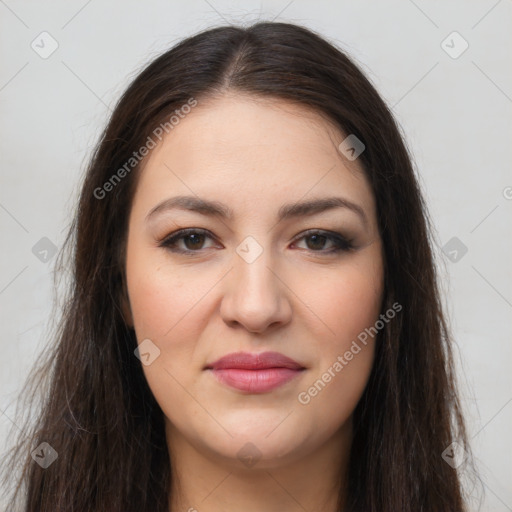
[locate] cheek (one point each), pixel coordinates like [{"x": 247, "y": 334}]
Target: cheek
[
  {"x": 330, "y": 398},
  {"x": 348, "y": 303},
  {"x": 344, "y": 301},
  {"x": 162, "y": 300},
  {"x": 168, "y": 308}
]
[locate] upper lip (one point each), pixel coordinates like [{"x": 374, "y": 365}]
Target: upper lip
[{"x": 248, "y": 361}]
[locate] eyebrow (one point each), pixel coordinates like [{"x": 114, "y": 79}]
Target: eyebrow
[{"x": 287, "y": 211}]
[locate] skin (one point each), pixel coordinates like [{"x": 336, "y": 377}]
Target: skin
[{"x": 296, "y": 298}]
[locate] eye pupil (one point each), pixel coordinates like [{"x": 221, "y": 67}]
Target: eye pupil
[
  {"x": 316, "y": 238},
  {"x": 195, "y": 238}
]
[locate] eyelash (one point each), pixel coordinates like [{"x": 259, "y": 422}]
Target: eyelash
[{"x": 342, "y": 244}]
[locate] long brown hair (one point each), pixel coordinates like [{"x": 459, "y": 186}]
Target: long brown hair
[{"x": 98, "y": 412}]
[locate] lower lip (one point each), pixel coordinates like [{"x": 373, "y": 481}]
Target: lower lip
[{"x": 256, "y": 381}]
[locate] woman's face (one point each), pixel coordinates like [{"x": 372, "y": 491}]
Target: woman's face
[{"x": 256, "y": 273}]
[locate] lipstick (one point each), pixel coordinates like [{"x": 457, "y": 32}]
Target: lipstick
[{"x": 255, "y": 373}]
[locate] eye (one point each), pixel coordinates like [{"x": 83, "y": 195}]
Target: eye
[
  {"x": 192, "y": 239},
  {"x": 317, "y": 240}
]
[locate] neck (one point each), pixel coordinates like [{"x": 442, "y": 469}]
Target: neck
[{"x": 202, "y": 481}]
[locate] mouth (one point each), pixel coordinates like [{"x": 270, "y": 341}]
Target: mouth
[{"x": 255, "y": 373}]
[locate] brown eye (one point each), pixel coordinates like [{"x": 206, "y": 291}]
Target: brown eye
[
  {"x": 316, "y": 241},
  {"x": 192, "y": 240}
]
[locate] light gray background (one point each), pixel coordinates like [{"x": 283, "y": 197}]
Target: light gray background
[{"x": 455, "y": 113}]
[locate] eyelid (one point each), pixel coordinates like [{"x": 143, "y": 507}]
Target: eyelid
[
  {"x": 344, "y": 244},
  {"x": 181, "y": 233}
]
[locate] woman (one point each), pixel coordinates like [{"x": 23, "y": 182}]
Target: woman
[{"x": 254, "y": 321}]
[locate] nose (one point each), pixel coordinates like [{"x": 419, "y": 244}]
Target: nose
[{"x": 256, "y": 296}]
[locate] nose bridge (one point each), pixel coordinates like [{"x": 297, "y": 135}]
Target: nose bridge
[
  {"x": 255, "y": 284},
  {"x": 252, "y": 273},
  {"x": 256, "y": 297}
]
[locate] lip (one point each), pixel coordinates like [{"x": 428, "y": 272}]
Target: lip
[{"x": 255, "y": 373}]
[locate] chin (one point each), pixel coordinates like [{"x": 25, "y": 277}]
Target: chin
[{"x": 256, "y": 449}]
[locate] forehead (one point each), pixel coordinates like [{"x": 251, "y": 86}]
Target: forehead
[
  {"x": 243, "y": 147},
  {"x": 233, "y": 125}
]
